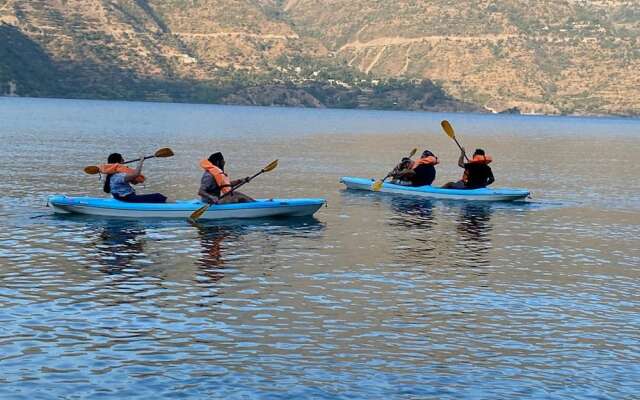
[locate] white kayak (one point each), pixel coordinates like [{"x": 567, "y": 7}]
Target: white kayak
[
  {"x": 262, "y": 208},
  {"x": 483, "y": 194}
]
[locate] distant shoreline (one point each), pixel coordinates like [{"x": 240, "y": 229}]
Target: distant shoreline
[{"x": 487, "y": 112}]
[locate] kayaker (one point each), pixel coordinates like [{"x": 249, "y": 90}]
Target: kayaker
[
  {"x": 401, "y": 172},
  {"x": 215, "y": 183},
  {"x": 477, "y": 173},
  {"x": 120, "y": 177},
  {"x": 421, "y": 172}
]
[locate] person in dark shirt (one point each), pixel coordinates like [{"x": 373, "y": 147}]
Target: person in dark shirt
[
  {"x": 477, "y": 173},
  {"x": 215, "y": 185},
  {"x": 421, "y": 172}
]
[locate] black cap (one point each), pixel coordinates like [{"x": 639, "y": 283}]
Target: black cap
[
  {"x": 427, "y": 153},
  {"x": 115, "y": 158},
  {"x": 215, "y": 158}
]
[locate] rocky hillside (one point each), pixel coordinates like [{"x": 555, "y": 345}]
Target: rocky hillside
[
  {"x": 571, "y": 57},
  {"x": 542, "y": 56}
]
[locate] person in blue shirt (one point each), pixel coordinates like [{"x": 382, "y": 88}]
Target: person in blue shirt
[{"x": 120, "y": 177}]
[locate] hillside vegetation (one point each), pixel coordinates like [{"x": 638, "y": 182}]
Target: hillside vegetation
[{"x": 569, "y": 57}]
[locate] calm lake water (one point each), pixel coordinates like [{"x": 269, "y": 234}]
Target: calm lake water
[{"x": 376, "y": 297}]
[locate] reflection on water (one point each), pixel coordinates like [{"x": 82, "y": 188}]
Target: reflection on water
[
  {"x": 211, "y": 261},
  {"x": 429, "y": 235},
  {"x": 118, "y": 244},
  {"x": 412, "y": 213},
  {"x": 380, "y": 296},
  {"x": 474, "y": 227}
]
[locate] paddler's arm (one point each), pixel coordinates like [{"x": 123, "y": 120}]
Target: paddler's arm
[
  {"x": 138, "y": 171},
  {"x": 402, "y": 169},
  {"x": 461, "y": 159},
  {"x": 206, "y": 182},
  {"x": 212, "y": 199},
  {"x": 490, "y": 178},
  {"x": 239, "y": 181},
  {"x": 404, "y": 174}
]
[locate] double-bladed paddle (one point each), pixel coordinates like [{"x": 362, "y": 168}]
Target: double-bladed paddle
[
  {"x": 198, "y": 213},
  {"x": 161, "y": 153},
  {"x": 377, "y": 185}
]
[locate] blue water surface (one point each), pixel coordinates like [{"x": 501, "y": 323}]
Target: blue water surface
[{"x": 377, "y": 296}]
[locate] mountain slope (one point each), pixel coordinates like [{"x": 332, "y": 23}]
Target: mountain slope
[
  {"x": 571, "y": 57},
  {"x": 541, "y": 56}
]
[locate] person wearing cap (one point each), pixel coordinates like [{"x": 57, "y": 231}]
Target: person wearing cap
[
  {"x": 421, "y": 172},
  {"x": 215, "y": 185}
]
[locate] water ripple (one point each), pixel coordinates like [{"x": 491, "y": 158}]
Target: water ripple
[{"x": 379, "y": 296}]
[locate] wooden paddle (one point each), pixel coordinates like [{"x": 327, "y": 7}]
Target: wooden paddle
[
  {"x": 448, "y": 129},
  {"x": 377, "y": 185},
  {"x": 162, "y": 153},
  {"x": 198, "y": 213}
]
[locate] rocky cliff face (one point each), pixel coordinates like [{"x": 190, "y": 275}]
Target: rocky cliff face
[{"x": 575, "y": 57}]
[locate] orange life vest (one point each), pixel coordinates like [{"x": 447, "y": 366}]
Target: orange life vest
[
  {"x": 429, "y": 160},
  {"x": 222, "y": 180},
  {"x": 477, "y": 159},
  {"x": 110, "y": 169}
]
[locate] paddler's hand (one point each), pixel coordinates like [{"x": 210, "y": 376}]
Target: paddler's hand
[
  {"x": 246, "y": 179},
  {"x": 141, "y": 157},
  {"x": 213, "y": 200}
]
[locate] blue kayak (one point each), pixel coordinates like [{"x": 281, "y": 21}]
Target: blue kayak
[
  {"x": 108, "y": 207},
  {"x": 484, "y": 194}
]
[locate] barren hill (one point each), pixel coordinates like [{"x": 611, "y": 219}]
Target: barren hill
[
  {"x": 572, "y": 57},
  {"x": 542, "y": 56}
]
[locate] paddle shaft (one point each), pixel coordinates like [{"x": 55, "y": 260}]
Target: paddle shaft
[
  {"x": 198, "y": 213},
  {"x": 137, "y": 159},
  {"x": 460, "y": 147},
  {"x": 240, "y": 184}
]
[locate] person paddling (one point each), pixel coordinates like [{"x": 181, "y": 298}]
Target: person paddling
[
  {"x": 120, "y": 177},
  {"x": 215, "y": 183},
  {"x": 421, "y": 172},
  {"x": 477, "y": 173}
]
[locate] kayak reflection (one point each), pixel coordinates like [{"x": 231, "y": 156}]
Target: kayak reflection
[
  {"x": 474, "y": 227},
  {"x": 417, "y": 220},
  {"x": 413, "y": 214},
  {"x": 223, "y": 245},
  {"x": 426, "y": 227},
  {"x": 210, "y": 262},
  {"x": 119, "y": 245}
]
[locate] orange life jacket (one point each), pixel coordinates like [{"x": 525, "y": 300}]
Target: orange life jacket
[
  {"x": 110, "y": 169},
  {"x": 222, "y": 180},
  {"x": 477, "y": 159},
  {"x": 429, "y": 160}
]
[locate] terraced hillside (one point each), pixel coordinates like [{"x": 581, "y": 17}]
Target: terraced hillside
[
  {"x": 541, "y": 56},
  {"x": 572, "y": 57}
]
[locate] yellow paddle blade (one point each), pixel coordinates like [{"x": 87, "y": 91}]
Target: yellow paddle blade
[
  {"x": 164, "y": 152},
  {"x": 377, "y": 185},
  {"x": 413, "y": 152},
  {"x": 198, "y": 213},
  {"x": 91, "y": 170},
  {"x": 448, "y": 129},
  {"x": 271, "y": 166}
]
